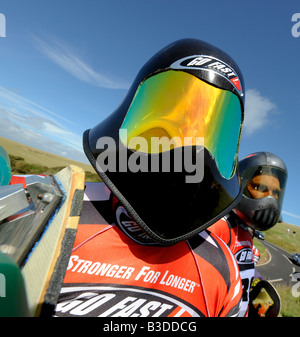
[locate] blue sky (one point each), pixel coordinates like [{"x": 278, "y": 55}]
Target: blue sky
[{"x": 66, "y": 65}]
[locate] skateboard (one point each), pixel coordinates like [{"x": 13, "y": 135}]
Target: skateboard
[{"x": 38, "y": 223}]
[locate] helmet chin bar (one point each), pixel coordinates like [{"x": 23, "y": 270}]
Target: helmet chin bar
[
  {"x": 259, "y": 214},
  {"x": 168, "y": 209},
  {"x": 266, "y": 218}
]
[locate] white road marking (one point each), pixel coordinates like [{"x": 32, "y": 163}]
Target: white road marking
[
  {"x": 287, "y": 258},
  {"x": 276, "y": 280}
]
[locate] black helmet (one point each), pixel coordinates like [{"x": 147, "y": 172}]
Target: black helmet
[
  {"x": 189, "y": 89},
  {"x": 264, "y": 177}
]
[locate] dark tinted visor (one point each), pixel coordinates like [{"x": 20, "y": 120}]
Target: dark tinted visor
[{"x": 263, "y": 181}]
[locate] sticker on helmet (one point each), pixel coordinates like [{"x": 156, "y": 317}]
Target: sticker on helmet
[{"x": 209, "y": 63}]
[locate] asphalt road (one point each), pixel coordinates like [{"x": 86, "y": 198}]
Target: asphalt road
[{"x": 280, "y": 267}]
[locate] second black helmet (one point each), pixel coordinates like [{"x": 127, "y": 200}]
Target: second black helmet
[{"x": 264, "y": 177}]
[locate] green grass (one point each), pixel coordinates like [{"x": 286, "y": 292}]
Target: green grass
[
  {"x": 290, "y": 305},
  {"x": 28, "y": 160},
  {"x": 279, "y": 235},
  {"x": 20, "y": 166},
  {"x": 264, "y": 254},
  {"x": 290, "y": 242},
  {"x": 38, "y": 157}
]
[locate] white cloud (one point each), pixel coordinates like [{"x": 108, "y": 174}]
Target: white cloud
[
  {"x": 54, "y": 129},
  {"x": 258, "y": 110},
  {"x": 29, "y": 123},
  {"x": 291, "y": 214},
  {"x": 11, "y": 130},
  {"x": 15, "y": 102},
  {"x": 62, "y": 55}
]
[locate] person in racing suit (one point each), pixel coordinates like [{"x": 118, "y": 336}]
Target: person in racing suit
[
  {"x": 142, "y": 246},
  {"x": 264, "y": 177}
]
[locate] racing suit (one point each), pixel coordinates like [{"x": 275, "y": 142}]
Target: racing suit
[
  {"x": 116, "y": 270},
  {"x": 238, "y": 238}
]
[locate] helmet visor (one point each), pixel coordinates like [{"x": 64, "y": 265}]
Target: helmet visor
[
  {"x": 263, "y": 181},
  {"x": 181, "y": 109}
]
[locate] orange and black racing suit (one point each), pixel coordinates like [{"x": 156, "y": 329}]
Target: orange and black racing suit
[
  {"x": 236, "y": 235},
  {"x": 115, "y": 270}
]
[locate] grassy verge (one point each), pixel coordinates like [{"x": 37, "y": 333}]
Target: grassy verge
[
  {"x": 290, "y": 305},
  {"x": 264, "y": 253},
  {"x": 283, "y": 235},
  {"x": 20, "y": 166},
  {"x": 287, "y": 237},
  {"x": 34, "y": 156}
]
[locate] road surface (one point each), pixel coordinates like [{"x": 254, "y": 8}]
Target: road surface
[{"x": 280, "y": 267}]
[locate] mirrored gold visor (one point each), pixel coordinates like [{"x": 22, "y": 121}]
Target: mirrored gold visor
[{"x": 183, "y": 110}]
